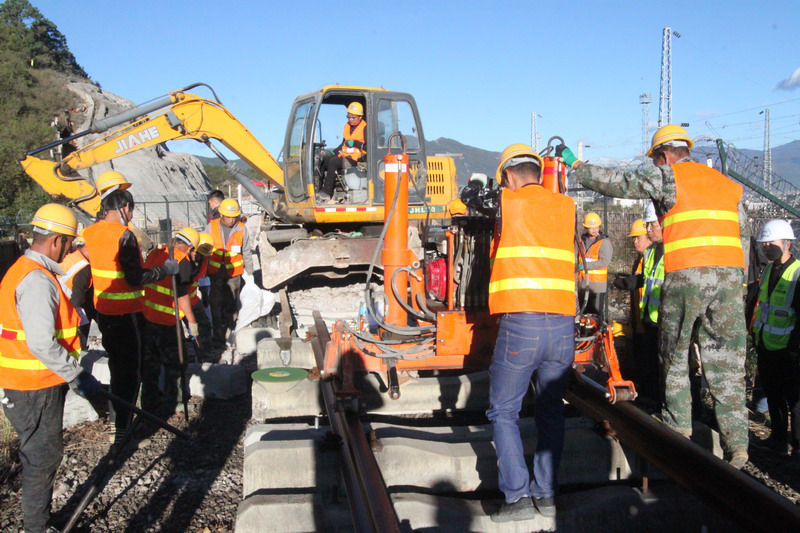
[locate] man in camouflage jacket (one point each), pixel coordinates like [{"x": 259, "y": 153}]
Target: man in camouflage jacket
[{"x": 698, "y": 302}]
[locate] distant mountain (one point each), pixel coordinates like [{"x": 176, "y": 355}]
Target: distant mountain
[{"x": 472, "y": 160}]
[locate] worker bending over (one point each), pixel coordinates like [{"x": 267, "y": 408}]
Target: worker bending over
[
  {"x": 119, "y": 278},
  {"x": 598, "y": 252},
  {"x": 161, "y": 342},
  {"x": 702, "y": 216},
  {"x": 777, "y": 338},
  {"x": 230, "y": 258},
  {"x": 352, "y": 150},
  {"x": 532, "y": 290},
  {"x": 39, "y": 350}
]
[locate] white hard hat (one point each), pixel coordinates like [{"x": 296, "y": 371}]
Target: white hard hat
[
  {"x": 649, "y": 213},
  {"x": 776, "y": 230}
]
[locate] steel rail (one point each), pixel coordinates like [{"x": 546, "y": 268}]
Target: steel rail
[
  {"x": 370, "y": 505},
  {"x": 729, "y": 491}
]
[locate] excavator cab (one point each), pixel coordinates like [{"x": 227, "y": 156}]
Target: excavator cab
[{"x": 315, "y": 125}]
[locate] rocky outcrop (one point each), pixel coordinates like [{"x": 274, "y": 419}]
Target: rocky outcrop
[{"x": 157, "y": 174}]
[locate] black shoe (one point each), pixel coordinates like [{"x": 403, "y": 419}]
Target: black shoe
[
  {"x": 780, "y": 447},
  {"x": 521, "y": 509},
  {"x": 545, "y": 506}
]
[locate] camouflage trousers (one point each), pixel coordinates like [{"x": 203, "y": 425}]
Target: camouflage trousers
[
  {"x": 161, "y": 351},
  {"x": 705, "y": 305}
]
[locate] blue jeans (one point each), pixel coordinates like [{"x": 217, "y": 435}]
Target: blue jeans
[{"x": 526, "y": 343}]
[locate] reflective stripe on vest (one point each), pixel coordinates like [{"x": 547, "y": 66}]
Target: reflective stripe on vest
[
  {"x": 599, "y": 275},
  {"x": 19, "y": 368},
  {"x": 159, "y": 300},
  {"x": 702, "y": 228},
  {"x": 774, "y": 318},
  {"x": 653, "y": 274},
  {"x": 357, "y": 134},
  {"x": 112, "y": 294},
  {"x": 533, "y": 259},
  {"x": 222, "y": 254}
]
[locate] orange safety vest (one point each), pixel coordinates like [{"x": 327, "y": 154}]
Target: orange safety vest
[
  {"x": 159, "y": 303},
  {"x": 533, "y": 265},
  {"x": 224, "y": 253},
  {"x": 201, "y": 273},
  {"x": 112, "y": 294},
  {"x": 19, "y": 368},
  {"x": 356, "y": 135},
  {"x": 702, "y": 229},
  {"x": 73, "y": 263},
  {"x": 593, "y": 254}
]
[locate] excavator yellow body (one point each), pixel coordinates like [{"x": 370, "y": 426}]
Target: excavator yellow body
[{"x": 290, "y": 200}]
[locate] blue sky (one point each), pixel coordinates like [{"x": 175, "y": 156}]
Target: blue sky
[{"x": 476, "y": 69}]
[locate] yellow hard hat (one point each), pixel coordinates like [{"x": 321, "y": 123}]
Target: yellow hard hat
[
  {"x": 514, "y": 155},
  {"x": 229, "y": 208},
  {"x": 206, "y": 244},
  {"x": 56, "y": 218},
  {"x": 190, "y": 236},
  {"x": 670, "y": 132},
  {"x": 592, "y": 220},
  {"x": 457, "y": 207},
  {"x": 637, "y": 228},
  {"x": 110, "y": 181},
  {"x": 355, "y": 108}
]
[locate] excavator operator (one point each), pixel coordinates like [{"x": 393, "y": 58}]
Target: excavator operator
[{"x": 350, "y": 152}]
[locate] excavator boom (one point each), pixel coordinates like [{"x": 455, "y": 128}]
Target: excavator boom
[{"x": 182, "y": 115}]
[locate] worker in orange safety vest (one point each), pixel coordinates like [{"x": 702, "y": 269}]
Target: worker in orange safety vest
[
  {"x": 119, "y": 278},
  {"x": 229, "y": 259},
  {"x": 352, "y": 150},
  {"x": 39, "y": 348},
  {"x": 598, "y": 252}
]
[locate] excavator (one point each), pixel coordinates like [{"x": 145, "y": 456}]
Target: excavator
[{"x": 292, "y": 213}]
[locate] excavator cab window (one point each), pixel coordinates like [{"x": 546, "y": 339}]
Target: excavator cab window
[
  {"x": 394, "y": 113},
  {"x": 296, "y": 160}
]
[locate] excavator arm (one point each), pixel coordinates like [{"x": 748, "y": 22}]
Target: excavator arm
[{"x": 180, "y": 115}]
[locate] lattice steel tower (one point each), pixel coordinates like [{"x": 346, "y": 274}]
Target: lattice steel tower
[
  {"x": 645, "y": 100},
  {"x": 665, "y": 97},
  {"x": 767, "y": 153}
]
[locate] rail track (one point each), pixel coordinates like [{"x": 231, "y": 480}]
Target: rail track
[{"x": 734, "y": 495}]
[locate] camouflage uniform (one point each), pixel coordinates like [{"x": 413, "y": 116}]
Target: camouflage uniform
[{"x": 707, "y": 301}]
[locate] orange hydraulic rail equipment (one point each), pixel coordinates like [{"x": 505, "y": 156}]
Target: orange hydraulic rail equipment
[
  {"x": 414, "y": 336},
  {"x": 410, "y": 336}
]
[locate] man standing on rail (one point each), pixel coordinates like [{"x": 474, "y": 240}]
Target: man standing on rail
[
  {"x": 703, "y": 218},
  {"x": 598, "y": 252},
  {"x": 199, "y": 299},
  {"x": 77, "y": 284},
  {"x": 39, "y": 349},
  {"x": 532, "y": 290},
  {"x": 230, "y": 258},
  {"x": 215, "y": 198},
  {"x": 777, "y": 338},
  {"x": 118, "y": 277}
]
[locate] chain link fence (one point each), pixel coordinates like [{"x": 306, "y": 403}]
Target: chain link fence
[{"x": 159, "y": 216}]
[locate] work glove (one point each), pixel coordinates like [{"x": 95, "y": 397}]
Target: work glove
[
  {"x": 85, "y": 385},
  {"x": 194, "y": 330},
  {"x": 170, "y": 267},
  {"x": 626, "y": 282},
  {"x": 565, "y": 153}
]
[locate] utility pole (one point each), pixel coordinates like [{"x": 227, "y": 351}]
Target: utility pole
[
  {"x": 665, "y": 97},
  {"x": 767, "y": 152},
  {"x": 645, "y": 100}
]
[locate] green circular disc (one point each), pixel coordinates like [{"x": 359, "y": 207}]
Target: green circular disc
[{"x": 280, "y": 374}]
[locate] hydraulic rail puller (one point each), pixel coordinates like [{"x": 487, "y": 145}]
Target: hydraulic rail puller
[
  {"x": 411, "y": 335},
  {"x": 436, "y": 309}
]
